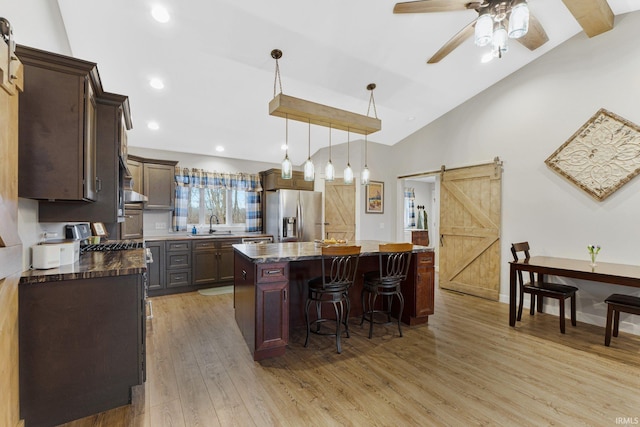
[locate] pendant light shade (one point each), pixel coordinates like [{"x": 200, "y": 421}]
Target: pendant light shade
[
  {"x": 287, "y": 167},
  {"x": 347, "y": 176},
  {"x": 309, "y": 169},
  {"x": 329, "y": 170}
]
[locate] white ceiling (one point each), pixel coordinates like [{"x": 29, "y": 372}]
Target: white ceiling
[{"x": 214, "y": 57}]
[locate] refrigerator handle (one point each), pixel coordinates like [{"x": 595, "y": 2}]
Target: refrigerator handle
[{"x": 300, "y": 222}]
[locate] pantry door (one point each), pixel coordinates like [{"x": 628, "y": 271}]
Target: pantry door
[
  {"x": 470, "y": 218},
  {"x": 340, "y": 210}
]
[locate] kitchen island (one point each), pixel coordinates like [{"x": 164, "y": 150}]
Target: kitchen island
[
  {"x": 81, "y": 337},
  {"x": 271, "y": 281}
]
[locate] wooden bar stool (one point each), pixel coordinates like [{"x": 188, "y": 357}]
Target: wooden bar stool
[
  {"x": 339, "y": 266},
  {"x": 617, "y": 303},
  {"x": 394, "y": 260}
]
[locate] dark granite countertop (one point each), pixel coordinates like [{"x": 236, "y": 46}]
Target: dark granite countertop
[
  {"x": 300, "y": 251},
  {"x": 92, "y": 265}
]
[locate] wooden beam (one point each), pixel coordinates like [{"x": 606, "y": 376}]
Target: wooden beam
[
  {"x": 594, "y": 16},
  {"x": 322, "y": 115}
]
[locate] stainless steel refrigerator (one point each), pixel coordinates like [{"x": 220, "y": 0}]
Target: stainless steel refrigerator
[{"x": 294, "y": 215}]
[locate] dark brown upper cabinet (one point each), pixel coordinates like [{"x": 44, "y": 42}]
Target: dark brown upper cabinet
[
  {"x": 57, "y": 127},
  {"x": 113, "y": 121}
]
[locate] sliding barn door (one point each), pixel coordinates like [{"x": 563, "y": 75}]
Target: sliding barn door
[
  {"x": 11, "y": 81},
  {"x": 340, "y": 210},
  {"x": 470, "y": 230}
]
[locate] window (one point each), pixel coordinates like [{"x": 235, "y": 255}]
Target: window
[{"x": 222, "y": 206}]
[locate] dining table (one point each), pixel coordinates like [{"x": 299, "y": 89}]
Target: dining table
[{"x": 603, "y": 272}]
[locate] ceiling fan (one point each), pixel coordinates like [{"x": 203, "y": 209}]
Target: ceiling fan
[{"x": 594, "y": 16}]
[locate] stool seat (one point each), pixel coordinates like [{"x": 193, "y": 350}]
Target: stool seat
[{"x": 617, "y": 303}]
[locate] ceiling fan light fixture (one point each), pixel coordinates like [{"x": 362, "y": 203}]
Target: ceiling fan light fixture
[
  {"x": 519, "y": 20},
  {"x": 500, "y": 41},
  {"x": 483, "y": 30}
]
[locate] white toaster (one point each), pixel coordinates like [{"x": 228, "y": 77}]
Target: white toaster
[{"x": 45, "y": 256}]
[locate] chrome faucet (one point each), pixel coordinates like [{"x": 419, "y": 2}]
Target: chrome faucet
[{"x": 211, "y": 230}]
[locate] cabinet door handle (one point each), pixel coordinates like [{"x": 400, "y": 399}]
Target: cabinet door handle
[
  {"x": 244, "y": 275},
  {"x": 98, "y": 184},
  {"x": 284, "y": 293}
]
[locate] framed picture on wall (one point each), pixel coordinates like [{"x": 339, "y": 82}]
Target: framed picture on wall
[
  {"x": 98, "y": 229},
  {"x": 374, "y": 197}
]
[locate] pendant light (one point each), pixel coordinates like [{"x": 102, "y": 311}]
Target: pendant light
[
  {"x": 287, "y": 167},
  {"x": 365, "y": 175},
  {"x": 329, "y": 171},
  {"x": 348, "y": 172},
  {"x": 309, "y": 170}
]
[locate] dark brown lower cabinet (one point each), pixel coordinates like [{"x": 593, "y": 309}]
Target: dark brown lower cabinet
[
  {"x": 82, "y": 347},
  {"x": 262, "y": 305},
  {"x": 156, "y": 269}
]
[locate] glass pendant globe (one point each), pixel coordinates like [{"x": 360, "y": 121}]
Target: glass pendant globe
[
  {"x": 329, "y": 172},
  {"x": 309, "y": 171},
  {"x": 364, "y": 176},
  {"x": 348, "y": 175},
  {"x": 287, "y": 168}
]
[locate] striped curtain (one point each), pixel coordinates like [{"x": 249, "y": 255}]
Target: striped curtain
[
  {"x": 254, "y": 213},
  {"x": 181, "y": 204},
  {"x": 198, "y": 178},
  {"x": 409, "y": 208}
]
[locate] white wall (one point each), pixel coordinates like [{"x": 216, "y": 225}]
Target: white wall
[{"x": 523, "y": 119}]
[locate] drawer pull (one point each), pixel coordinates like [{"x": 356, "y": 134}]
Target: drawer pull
[{"x": 273, "y": 271}]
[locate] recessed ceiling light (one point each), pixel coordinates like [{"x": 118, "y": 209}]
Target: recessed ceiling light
[
  {"x": 283, "y": 147},
  {"x": 156, "y": 83},
  {"x": 219, "y": 148},
  {"x": 160, "y": 14},
  {"x": 153, "y": 125}
]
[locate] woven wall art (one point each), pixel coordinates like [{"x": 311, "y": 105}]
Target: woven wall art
[{"x": 602, "y": 156}]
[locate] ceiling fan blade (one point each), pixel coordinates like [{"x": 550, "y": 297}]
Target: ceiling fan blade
[
  {"x": 536, "y": 36},
  {"x": 455, "y": 41},
  {"x": 594, "y": 16},
  {"x": 426, "y": 6}
]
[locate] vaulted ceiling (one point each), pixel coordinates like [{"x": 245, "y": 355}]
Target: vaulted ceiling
[{"x": 214, "y": 59}]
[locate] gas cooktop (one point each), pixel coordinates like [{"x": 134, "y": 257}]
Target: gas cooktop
[{"x": 121, "y": 245}]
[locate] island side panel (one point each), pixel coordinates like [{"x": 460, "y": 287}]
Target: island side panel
[
  {"x": 244, "y": 294},
  {"x": 418, "y": 289}
]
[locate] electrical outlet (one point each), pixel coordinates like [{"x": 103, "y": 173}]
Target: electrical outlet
[{"x": 161, "y": 225}]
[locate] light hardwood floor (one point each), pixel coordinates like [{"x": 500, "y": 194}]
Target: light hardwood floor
[{"x": 466, "y": 367}]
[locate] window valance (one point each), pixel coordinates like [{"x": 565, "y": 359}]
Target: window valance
[{"x": 201, "y": 178}]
